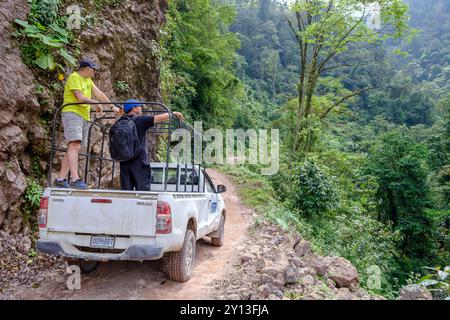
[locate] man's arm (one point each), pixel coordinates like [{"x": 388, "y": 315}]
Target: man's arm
[
  {"x": 82, "y": 98},
  {"x": 165, "y": 116},
  {"x": 99, "y": 95}
]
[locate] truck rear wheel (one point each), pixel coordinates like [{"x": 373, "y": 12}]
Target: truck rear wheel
[
  {"x": 218, "y": 241},
  {"x": 85, "y": 266},
  {"x": 181, "y": 262}
]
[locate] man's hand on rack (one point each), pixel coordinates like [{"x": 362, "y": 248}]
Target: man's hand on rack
[
  {"x": 179, "y": 115},
  {"x": 117, "y": 110}
]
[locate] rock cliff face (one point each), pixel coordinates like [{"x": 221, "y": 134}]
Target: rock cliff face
[
  {"x": 19, "y": 111},
  {"x": 123, "y": 40},
  {"x": 125, "y": 43}
]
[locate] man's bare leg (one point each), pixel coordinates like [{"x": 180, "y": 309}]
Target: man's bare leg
[
  {"x": 64, "y": 168},
  {"x": 72, "y": 158},
  {"x": 70, "y": 161}
]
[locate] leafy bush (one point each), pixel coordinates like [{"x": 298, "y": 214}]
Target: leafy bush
[
  {"x": 44, "y": 12},
  {"x": 33, "y": 193},
  {"x": 312, "y": 191},
  {"x": 366, "y": 242},
  {"x": 121, "y": 87},
  {"x": 438, "y": 282},
  {"x": 45, "y": 40},
  {"x": 403, "y": 193}
]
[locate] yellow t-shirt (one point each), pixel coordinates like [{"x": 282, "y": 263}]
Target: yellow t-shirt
[{"x": 85, "y": 85}]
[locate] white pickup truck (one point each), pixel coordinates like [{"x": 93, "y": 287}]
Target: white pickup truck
[{"x": 88, "y": 226}]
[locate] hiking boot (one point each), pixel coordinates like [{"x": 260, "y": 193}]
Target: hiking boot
[
  {"x": 79, "y": 184},
  {"x": 61, "y": 183}
]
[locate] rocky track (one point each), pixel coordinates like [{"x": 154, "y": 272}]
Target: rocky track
[{"x": 147, "y": 280}]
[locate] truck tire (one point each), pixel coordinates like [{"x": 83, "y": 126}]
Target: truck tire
[
  {"x": 218, "y": 241},
  {"x": 181, "y": 262},
  {"x": 87, "y": 266}
]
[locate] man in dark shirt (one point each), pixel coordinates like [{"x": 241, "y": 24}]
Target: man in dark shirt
[{"x": 135, "y": 173}]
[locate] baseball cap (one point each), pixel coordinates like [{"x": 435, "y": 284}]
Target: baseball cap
[
  {"x": 84, "y": 63},
  {"x": 130, "y": 104}
]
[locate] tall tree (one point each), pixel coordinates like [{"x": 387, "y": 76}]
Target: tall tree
[
  {"x": 199, "y": 56},
  {"x": 323, "y": 30},
  {"x": 398, "y": 162}
]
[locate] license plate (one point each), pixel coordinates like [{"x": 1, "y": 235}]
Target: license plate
[{"x": 102, "y": 242}]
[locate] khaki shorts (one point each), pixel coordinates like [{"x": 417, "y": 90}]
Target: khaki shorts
[{"x": 75, "y": 128}]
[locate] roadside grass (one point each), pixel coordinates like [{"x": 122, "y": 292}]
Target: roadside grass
[{"x": 256, "y": 192}]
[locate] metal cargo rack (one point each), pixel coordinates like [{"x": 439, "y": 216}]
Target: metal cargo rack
[{"x": 103, "y": 123}]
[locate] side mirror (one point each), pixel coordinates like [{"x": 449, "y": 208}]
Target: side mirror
[{"x": 221, "y": 188}]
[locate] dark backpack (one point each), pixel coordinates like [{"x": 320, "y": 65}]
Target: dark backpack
[{"x": 124, "y": 142}]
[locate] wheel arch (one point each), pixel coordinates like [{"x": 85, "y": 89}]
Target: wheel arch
[{"x": 192, "y": 225}]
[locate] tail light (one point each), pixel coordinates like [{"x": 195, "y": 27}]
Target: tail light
[
  {"x": 43, "y": 209},
  {"x": 101, "y": 201},
  {"x": 163, "y": 218}
]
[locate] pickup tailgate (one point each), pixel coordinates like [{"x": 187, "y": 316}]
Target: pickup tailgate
[{"x": 102, "y": 212}]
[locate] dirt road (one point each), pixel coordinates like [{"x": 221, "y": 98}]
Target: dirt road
[{"x": 134, "y": 280}]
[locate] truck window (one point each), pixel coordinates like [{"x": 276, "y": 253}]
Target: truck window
[
  {"x": 209, "y": 187},
  {"x": 189, "y": 178},
  {"x": 158, "y": 176}
]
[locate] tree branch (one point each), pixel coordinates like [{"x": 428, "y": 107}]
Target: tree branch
[
  {"x": 358, "y": 92},
  {"x": 341, "y": 42},
  {"x": 293, "y": 29},
  {"x": 344, "y": 65}
]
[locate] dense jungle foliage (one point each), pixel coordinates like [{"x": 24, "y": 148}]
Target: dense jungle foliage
[{"x": 366, "y": 153}]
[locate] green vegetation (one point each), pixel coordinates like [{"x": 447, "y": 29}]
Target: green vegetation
[
  {"x": 359, "y": 238},
  {"x": 45, "y": 40},
  {"x": 397, "y": 163},
  {"x": 198, "y": 77},
  {"x": 365, "y": 132},
  {"x": 438, "y": 281},
  {"x": 33, "y": 195},
  {"x": 121, "y": 87}
]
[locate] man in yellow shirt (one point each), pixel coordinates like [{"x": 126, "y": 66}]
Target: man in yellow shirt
[{"x": 79, "y": 88}]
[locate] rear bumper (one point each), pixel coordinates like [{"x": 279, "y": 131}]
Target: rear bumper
[{"x": 134, "y": 252}]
